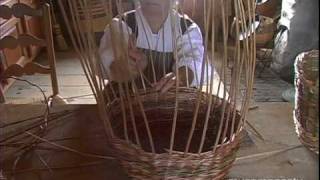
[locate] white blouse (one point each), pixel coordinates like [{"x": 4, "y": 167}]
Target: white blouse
[{"x": 189, "y": 46}]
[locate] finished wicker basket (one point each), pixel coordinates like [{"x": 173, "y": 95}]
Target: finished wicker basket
[
  {"x": 306, "y": 113},
  {"x": 265, "y": 31},
  {"x": 268, "y": 7},
  {"x": 207, "y": 164}
]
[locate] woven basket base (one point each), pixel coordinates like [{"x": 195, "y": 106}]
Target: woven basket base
[
  {"x": 306, "y": 138},
  {"x": 177, "y": 166},
  {"x": 159, "y": 110}
]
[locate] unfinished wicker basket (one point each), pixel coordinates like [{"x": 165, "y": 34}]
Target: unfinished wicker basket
[
  {"x": 143, "y": 164},
  {"x": 189, "y": 132},
  {"x": 306, "y": 113}
]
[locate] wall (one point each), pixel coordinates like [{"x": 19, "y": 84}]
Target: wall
[{"x": 301, "y": 17}]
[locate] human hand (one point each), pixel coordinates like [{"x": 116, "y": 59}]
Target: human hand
[
  {"x": 169, "y": 80},
  {"x": 136, "y": 55},
  {"x": 126, "y": 68},
  {"x": 165, "y": 83}
]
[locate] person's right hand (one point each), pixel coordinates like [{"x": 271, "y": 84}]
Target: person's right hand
[
  {"x": 136, "y": 55},
  {"x": 127, "y": 68}
]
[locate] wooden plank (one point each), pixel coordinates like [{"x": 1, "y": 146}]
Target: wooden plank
[
  {"x": 67, "y": 63},
  {"x": 38, "y": 100},
  {"x": 31, "y": 95},
  {"x": 23, "y": 40},
  {"x": 29, "y": 91},
  {"x": 64, "y": 80}
]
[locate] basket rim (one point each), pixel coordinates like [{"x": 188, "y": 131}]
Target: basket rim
[{"x": 231, "y": 141}]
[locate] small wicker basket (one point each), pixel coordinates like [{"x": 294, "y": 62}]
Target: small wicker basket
[
  {"x": 306, "y": 113},
  {"x": 207, "y": 164},
  {"x": 265, "y": 31},
  {"x": 267, "y": 8}
]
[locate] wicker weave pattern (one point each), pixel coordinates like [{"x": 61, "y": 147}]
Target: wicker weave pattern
[
  {"x": 178, "y": 165},
  {"x": 208, "y": 165},
  {"x": 307, "y": 138},
  {"x": 306, "y": 114}
]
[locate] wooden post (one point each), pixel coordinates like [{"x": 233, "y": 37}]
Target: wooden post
[{"x": 50, "y": 48}]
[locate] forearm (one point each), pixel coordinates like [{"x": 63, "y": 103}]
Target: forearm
[{"x": 108, "y": 51}]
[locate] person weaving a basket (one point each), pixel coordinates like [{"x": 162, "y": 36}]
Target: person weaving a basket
[{"x": 159, "y": 42}]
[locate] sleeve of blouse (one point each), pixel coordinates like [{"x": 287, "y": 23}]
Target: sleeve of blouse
[
  {"x": 105, "y": 47},
  {"x": 190, "y": 52}
]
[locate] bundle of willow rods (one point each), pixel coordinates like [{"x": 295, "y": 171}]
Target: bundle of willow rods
[
  {"x": 184, "y": 112},
  {"x": 14, "y": 138},
  {"x": 306, "y": 113}
]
